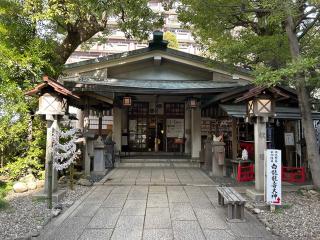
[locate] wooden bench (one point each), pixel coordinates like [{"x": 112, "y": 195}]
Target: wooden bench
[{"x": 235, "y": 202}]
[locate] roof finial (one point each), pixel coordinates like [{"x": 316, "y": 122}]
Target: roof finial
[{"x": 158, "y": 41}]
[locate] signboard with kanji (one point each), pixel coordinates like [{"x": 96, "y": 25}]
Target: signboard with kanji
[{"x": 273, "y": 176}]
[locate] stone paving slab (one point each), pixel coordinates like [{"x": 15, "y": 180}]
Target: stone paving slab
[
  {"x": 105, "y": 218},
  {"x": 157, "y": 218},
  {"x": 157, "y": 234},
  {"x": 187, "y": 230},
  {"x": 182, "y": 211},
  {"x": 71, "y": 229},
  {"x": 97, "y": 234},
  {"x": 115, "y": 200},
  {"x": 157, "y": 200},
  {"x": 134, "y": 208}
]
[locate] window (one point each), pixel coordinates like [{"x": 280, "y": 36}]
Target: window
[
  {"x": 107, "y": 120},
  {"x": 174, "y": 109}
]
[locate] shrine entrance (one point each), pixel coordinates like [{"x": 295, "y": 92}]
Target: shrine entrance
[{"x": 155, "y": 130}]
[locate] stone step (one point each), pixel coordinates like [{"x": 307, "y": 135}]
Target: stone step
[
  {"x": 152, "y": 160},
  {"x": 165, "y": 165},
  {"x": 176, "y": 163}
]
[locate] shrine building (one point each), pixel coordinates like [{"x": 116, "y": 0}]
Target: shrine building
[{"x": 157, "y": 101}]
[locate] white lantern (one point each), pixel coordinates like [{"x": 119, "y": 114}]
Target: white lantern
[
  {"x": 52, "y": 104},
  {"x": 126, "y": 101},
  {"x": 192, "y": 103},
  {"x": 260, "y": 107}
]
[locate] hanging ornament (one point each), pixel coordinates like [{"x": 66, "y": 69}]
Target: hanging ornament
[{"x": 65, "y": 153}]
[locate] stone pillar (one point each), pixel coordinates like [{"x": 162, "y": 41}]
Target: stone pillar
[
  {"x": 260, "y": 145},
  {"x": 116, "y": 130},
  {"x": 187, "y": 131},
  {"x": 80, "y": 117},
  {"x": 195, "y": 132},
  {"x": 86, "y": 154},
  {"x": 218, "y": 156},
  {"x": 208, "y": 155},
  {"x": 52, "y": 124},
  {"x": 99, "y": 164}
]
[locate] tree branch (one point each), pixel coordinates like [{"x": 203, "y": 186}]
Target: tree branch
[{"x": 309, "y": 26}]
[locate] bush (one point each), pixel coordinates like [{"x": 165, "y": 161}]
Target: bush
[
  {"x": 29, "y": 155},
  {"x": 4, "y": 189}
]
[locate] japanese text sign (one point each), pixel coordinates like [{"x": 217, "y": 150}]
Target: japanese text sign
[{"x": 273, "y": 176}]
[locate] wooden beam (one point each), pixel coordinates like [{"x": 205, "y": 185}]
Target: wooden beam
[{"x": 99, "y": 97}]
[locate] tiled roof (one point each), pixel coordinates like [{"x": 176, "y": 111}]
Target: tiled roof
[
  {"x": 239, "y": 111},
  {"x": 57, "y": 87},
  {"x": 169, "y": 51},
  {"x": 145, "y": 85}
]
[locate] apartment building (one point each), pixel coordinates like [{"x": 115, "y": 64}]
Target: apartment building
[{"x": 117, "y": 42}]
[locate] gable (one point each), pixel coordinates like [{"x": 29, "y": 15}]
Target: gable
[
  {"x": 190, "y": 67},
  {"x": 160, "y": 69}
]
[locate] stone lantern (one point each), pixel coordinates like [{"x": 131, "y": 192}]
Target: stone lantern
[
  {"x": 260, "y": 106},
  {"x": 51, "y": 103},
  {"x": 260, "y": 103}
]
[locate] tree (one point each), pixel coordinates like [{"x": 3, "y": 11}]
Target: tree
[
  {"x": 23, "y": 57},
  {"x": 73, "y": 22},
  {"x": 36, "y": 38},
  {"x": 172, "y": 39},
  {"x": 279, "y": 40}
]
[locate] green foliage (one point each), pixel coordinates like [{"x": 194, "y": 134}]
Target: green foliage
[
  {"x": 172, "y": 39},
  {"x": 32, "y": 158},
  {"x": 4, "y": 189},
  {"x": 24, "y": 57},
  {"x": 36, "y": 38},
  {"x": 267, "y": 76},
  {"x": 252, "y": 34},
  {"x": 76, "y": 22}
]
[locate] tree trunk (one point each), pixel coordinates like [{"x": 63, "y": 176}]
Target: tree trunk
[
  {"x": 77, "y": 34},
  {"x": 304, "y": 104}
]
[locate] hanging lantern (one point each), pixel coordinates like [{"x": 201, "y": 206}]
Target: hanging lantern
[
  {"x": 262, "y": 106},
  {"x": 192, "y": 103},
  {"x": 126, "y": 101},
  {"x": 52, "y": 103}
]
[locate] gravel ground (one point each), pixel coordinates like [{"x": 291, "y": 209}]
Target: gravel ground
[
  {"x": 25, "y": 216},
  {"x": 299, "y": 217}
]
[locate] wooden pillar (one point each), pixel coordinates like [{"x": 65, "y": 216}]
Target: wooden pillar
[
  {"x": 195, "y": 132},
  {"x": 85, "y": 130},
  {"x": 100, "y": 125},
  {"x": 116, "y": 130},
  {"x": 260, "y": 145},
  {"x": 234, "y": 138},
  {"x": 187, "y": 134}
]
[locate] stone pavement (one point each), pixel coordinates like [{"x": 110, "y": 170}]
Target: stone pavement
[{"x": 151, "y": 203}]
